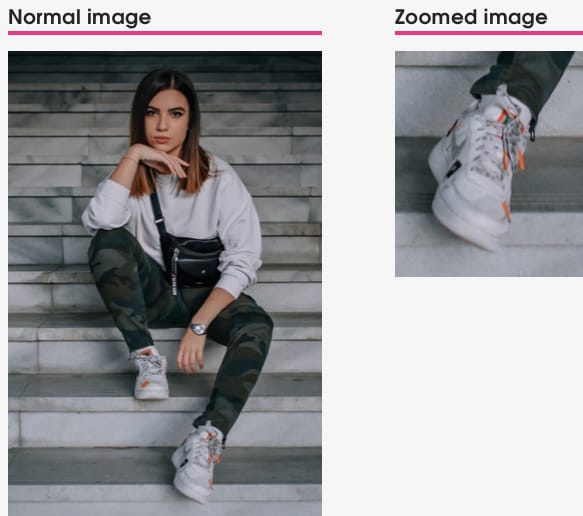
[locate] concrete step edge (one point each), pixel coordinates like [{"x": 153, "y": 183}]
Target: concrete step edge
[
  {"x": 457, "y": 59},
  {"x": 201, "y": 86},
  {"x": 279, "y": 474},
  {"x": 76, "y": 230},
  {"x": 110, "y": 132},
  {"x": 269, "y": 273},
  {"x": 233, "y": 159},
  {"x": 542, "y": 230},
  {"x": 89, "y": 191},
  {"x": 113, "y": 392},
  {"x": 237, "y": 107},
  {"x": 99, "y": 326}
]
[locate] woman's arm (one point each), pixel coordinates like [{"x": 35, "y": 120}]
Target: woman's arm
[
  {"x": 190, "y": 352},
  {"x": 126, "y": 170},
  {"x": 109, "y": 207}
]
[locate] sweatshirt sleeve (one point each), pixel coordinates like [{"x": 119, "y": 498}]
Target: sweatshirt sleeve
[
  {"x": 240, "y": 232},
  {"x": 108, "y": 209}
]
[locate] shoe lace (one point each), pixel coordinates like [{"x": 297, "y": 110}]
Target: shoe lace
[
  {"x": 149, "y": 365},
  {"x": 205, "y": 450},
  {"x": 500, "y": 145}
]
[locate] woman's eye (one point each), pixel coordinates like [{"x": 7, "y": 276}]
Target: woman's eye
[
  {"x": 150, "y": 112},
  {"x": 176, "y": 114}
]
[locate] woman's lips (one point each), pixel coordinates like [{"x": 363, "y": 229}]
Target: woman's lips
[{"x": 161, "y": 139}]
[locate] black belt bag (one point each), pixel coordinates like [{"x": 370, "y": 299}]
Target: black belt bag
[{"x": 190, "y": 262}]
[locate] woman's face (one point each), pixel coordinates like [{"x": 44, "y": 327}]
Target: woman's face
[{"x": 166, "y": 121}]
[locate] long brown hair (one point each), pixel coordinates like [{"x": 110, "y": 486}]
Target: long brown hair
[{"x": 199, "y": 169}]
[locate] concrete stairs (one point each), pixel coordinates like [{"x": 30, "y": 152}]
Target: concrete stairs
[
  {"x": 79, "y": 441},
  {"x": 546, "y": 237}
]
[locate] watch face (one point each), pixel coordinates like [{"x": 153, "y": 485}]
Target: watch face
[{"x": 199, "y": 329}]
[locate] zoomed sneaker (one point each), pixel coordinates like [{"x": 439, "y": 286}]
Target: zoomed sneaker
[
  {"x": 474, "y": 164},
  {"x": 194, "y": 461},
  {"x": 151, "y": 382}
]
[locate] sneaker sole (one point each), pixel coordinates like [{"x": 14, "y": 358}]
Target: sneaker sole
[
  {"x": 152, "y": 394},
  {"x": 461, "y": 227},
  {"x": 189, "y": 491}
]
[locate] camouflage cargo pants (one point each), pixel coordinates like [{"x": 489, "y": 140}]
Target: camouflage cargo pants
[
  {"x": 531, "y": 77},
  {"x": 136, "y": 292}
]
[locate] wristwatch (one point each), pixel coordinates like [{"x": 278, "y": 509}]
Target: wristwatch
[{"x": 197, "y": 328}]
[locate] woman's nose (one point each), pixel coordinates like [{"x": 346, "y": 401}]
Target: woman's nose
[{"x": 162, "y": 123}]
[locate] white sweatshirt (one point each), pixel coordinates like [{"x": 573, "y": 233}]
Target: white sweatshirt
[{"x": 223, "y": 207}]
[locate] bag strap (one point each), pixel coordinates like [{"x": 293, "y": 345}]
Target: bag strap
[{"x": 158, "y": 217}]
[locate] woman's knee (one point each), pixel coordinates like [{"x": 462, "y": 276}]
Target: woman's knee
[
  {"x": 245, "y": 321},
  {"x": 118, "y": 238}
]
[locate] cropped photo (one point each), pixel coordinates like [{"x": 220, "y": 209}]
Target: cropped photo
[
  {"x": 488, "y": 163},
  {"x": 165, "y": 283}
]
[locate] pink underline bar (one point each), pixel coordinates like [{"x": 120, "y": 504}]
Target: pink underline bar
[
  {"x": 165, "y": 33},
  {"x": 488, "y": 33}
]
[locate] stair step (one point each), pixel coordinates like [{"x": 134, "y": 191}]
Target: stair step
[
  {"x": 552, "y": 180},
  {"x": 235, "y": 76},
  {"x": 260, "y": 180},
  {"x": 95, "y": 147},
  {"x": 90, "y": 343},
  {"x": 82, "y": 87},
  {"x": 72, "y": 297},
  {"x": 217, "y": 120},
  {"x": 290, "y": 229},
  {"x": 80, "y": 274},
  {"x": 459, "y": 59},
  {"x": 72, "y": 289},
  {"x": 546, "y": 236},
  {"x": 420, "y": 115},
  {"x": 138, "y": 481},
  {"x": 212, "y": 107},
  {"x": 24, "y": 207},
  {"x": 72, "y": 249},
  {"x": 283, "y": 410},
  {"x": 38, "y": 126},
  {"x": 95, "y": 326},
  {"x": 113, "y": 159},
  {"x": 107, "y": 392},
  {"x": 208, "y": 93},
  {"x": 65, "y": 356}
]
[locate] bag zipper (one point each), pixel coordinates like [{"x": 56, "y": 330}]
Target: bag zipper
[{"x": 174, "y": 272}]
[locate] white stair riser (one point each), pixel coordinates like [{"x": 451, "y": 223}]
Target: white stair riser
[
  {"x": 465, "y": 260},
  {"x": 42, "y": 122},
  {"x": 73, "y": 250},
  {"x": 78, "y": 357},
  {"x": 274, "y": 297},
  {"x": 81, "y": 175},
  {"x": 52, "y": 96},
  {"x": 236, "y": 76},
  {"x": 49, "y": 429},
  {"x": 155, "y": 494},
  {"x": 180, "y": 508},
  {"x": 68, "y": 210},
  {"x": 420, "y": 114},
  {"x": 100, "y": 328},
  {"x": 527, "y": 229},
  {"x": 94, "y": 147}
]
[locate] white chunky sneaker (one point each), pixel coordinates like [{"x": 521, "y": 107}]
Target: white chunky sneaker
[
  {"x": 194, "y": 461},
  {"x": 474, "y": 164},
  {"x": 151, "y": 382}
]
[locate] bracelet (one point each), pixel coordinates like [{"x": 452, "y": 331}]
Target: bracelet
[{"x": 131, "y": 159}]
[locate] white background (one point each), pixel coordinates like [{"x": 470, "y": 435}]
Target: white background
[{"x": 444, "y": 396}]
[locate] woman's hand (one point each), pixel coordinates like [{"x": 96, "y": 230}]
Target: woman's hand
[
  {"x": 161, "y": 161},
  {"x": 190, "y": 352}
]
